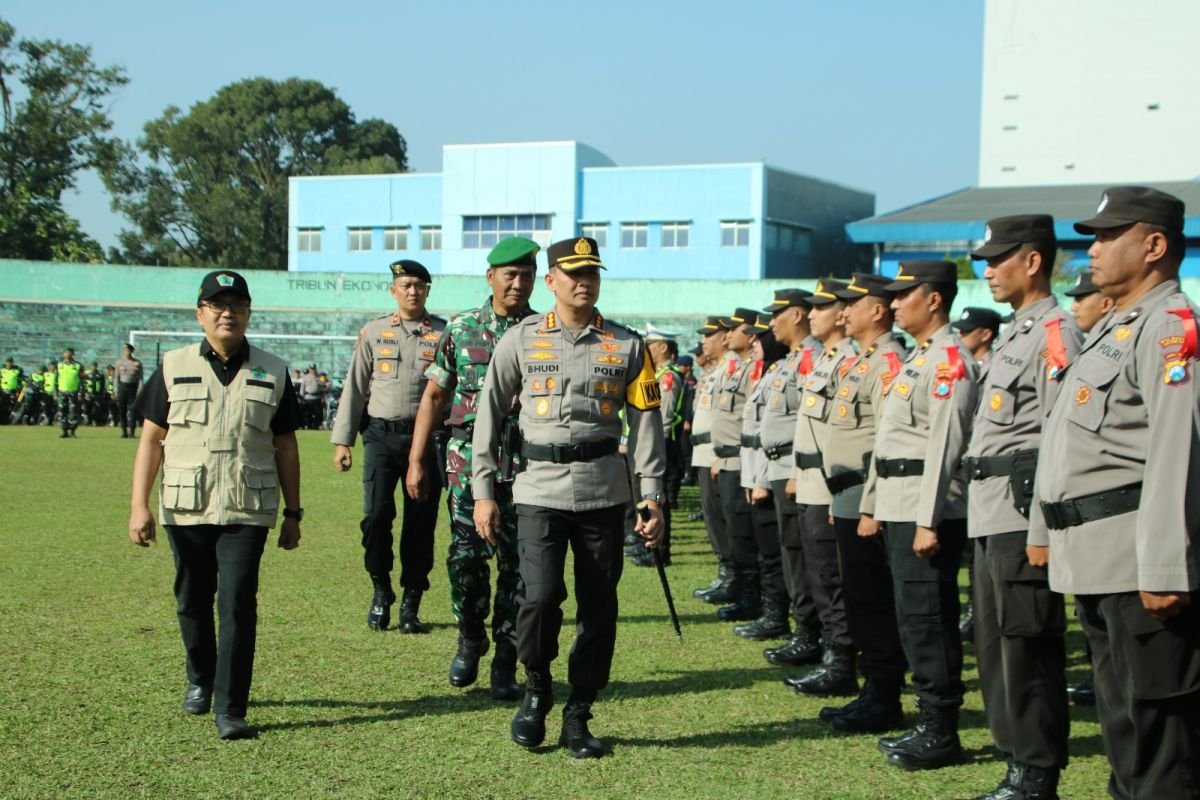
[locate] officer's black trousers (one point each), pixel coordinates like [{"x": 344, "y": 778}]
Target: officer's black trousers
[
  {"x": 824, "y": 574},
  {"x": 220, "y": 561},
  {"x": 1147, "y": 677},
  {"x": 673, "y": 475},
  {"x": 595, "y": 539},
  {"x": 126, "y": 395},
  {"x": 714, "y": 515},
  {"x": 766, "y": 536},
  {"x": 742, "y": 547},
  {"x": 870, "y": 605},
  {"x": 795, "y": 579},
  {"x": 385, "y": 463},
  {"x": 1022, "y": 655},
  {"x": 927, "y": 609}
]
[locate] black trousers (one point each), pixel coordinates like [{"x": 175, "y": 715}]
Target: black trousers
[
  {"x": 1147, "y": 677},
  {"x": 385, "y": 463},
  {"x": 824, "y": 573},
  {"x": 595, "y": 539},
  {"x": 126, "y": 395},
  {"x": 673, "y": 476},
  {"x": 220, "y": 561},
  {"x": 714, "y": 515},
  {"x": 1019, "y": 628},
  {"x": 791, "y": 549},
  {"x": 870, "y": 605},
  {"x": 742, "y": 547},
  {"x": 765, "y": 524},
  {"x": 927, "y": 609}
]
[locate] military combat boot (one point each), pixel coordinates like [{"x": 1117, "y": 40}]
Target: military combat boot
[
  {"x": 410, "y": 605},
  {"x": 773, "y": 624},
  {"x": 876, "y": 710},
  {"x": 932, "y": 744},
  {"x": 529, "y": 725},
  {"x": 504, "y": 672},
  {"x": 380, "y": 614},
  {"x": 748, "y": 604},
  {"x": 834, "y": 677},
  {"x": 464, "y": 667},
  {"x": 723, "y": 589},
  {"x": 803, "y": 648},
  {"x": 1025, "y": 782},
  {"x": 575, "y": 735}
]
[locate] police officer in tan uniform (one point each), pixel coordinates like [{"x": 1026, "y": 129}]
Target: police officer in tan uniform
[
  {"x": 573, "y": 372},
  {"x": 220, "y": 420},
  {"x": 129, "y": 382},
  {"x": 380, "y": 398},
  {"x": 1117, "y": 500},
  {"x": 1019, "y": 622},
  {"x": 1088, "y": 304},
  {"x": 712, "y": 343},
  {"x": 918, "y": 492},
  {"x": 866, "y": 580}
]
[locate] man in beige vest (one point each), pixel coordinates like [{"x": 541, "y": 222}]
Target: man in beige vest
[{"x": 220, "y": 420}]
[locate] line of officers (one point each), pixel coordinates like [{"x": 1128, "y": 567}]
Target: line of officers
[
  {"x": 71, "y": 393},
  {"x": 842, "y": 475}
]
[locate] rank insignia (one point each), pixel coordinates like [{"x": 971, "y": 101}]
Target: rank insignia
[
  {"x": 542, "y": 408},
  {"x": 395, "y": 320},
  {"x": 542, "y": 344},
  {"x": 610, "y": 347},
  {"x": 1082, "y": 395},
  {"x": 388, "y": 334},
  {"x": 259, "y": 373},
  {"x": 609, "y": 360},
  {"x": 996, "y": 401},
  {"x": 432, "y": 336},
  {"x": 542, "y": 355},
  {"x": 1123, "y": 333}
]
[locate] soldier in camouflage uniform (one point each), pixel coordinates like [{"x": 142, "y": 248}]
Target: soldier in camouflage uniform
[{"x": 455, "y": 379}]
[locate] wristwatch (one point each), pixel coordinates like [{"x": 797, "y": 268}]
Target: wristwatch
[
  {"x": 655, "y": 496},
  {"x": 294, "y": 513}
]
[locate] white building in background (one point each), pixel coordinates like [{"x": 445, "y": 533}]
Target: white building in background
[{"x": 1089, "y": 91}]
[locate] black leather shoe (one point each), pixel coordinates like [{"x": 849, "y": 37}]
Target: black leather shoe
[
  {"x": 380, "y": 614},
  {"x": 835, "y": 677},
  {"x": 504, "y": 673},
  {"x": 870, "y": 716},
  {"x": 231, "y": 727},
  {"x": 464, "y": 667},
  {"x": 932, "y": 744},
  {"x": 803, "y": 648},
  {"x": 575, "y": 735},
  {"x": 410, "y": 606},
  {"x": 529, "y": 725},
  {"x": 1083, "y": 693},
  {"x": 197, "y": 699}
]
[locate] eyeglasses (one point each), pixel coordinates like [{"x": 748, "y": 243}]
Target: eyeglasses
[{"x": 221, "y": 308}]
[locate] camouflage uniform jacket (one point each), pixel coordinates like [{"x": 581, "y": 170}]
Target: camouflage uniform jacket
[{"x": 460, "y": 363}]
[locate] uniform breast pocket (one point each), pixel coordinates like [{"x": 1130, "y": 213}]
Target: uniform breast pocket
[
  {"x": 182, "y": 488},
  {"x": 897, "y": 406},
  {"x": 813, "y": 404},
  {"x": 386, "y": 367},
  {"x": 189, "y": 404},
  {"x": 260, "y": 407},
  {"x": 845, "y": 414},
  {"x": 260, "y": 490},
  {"x": 472, "y": 367},
  {"x": 1091, "y": 382},
  {"x": 726, "y": 401},
  {"x": 543, "y": 409}
]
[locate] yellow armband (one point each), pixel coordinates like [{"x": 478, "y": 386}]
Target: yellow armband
[{"x": 643, "y": 393}]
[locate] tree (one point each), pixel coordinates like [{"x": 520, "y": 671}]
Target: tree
[
  {"x": 54, "y": 126},
  {"x": 209, "y": 187}
]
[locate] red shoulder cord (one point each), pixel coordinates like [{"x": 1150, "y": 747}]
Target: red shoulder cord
[
  {"x": 1056, "y": 351},
  {"x": 806, "y": 361},
  {"x": 756, "y": 372},
  {"x": 893, "y": 361},
  {"x": 957, "y": 370},
  {"x": 1188, "y": 320}
]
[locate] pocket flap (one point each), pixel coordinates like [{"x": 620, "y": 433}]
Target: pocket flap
[
  {"x": 258, "y": 479},
  {"x": 260, "y": 394},
  {"x": 188, "y": 391},
  {"x": 1096, "y": 372},
  {"x": 182, "y": 476}
]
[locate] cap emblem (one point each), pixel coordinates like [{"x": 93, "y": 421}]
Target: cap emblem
[
  {"x": 1103, "y": 203},
  {"x": 965, "y": 315},
  {"x": 583, "y": 247},
  {"x": 225, "y": 280},
  {"x": 987, "y": 233}
]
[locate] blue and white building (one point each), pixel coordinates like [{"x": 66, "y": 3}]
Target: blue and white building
[{"x": 709, "y": 221}]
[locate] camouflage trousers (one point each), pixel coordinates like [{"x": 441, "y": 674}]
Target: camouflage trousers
[
  {"x": 68, "y": 410},
  {"x": 468, "y": 567}
]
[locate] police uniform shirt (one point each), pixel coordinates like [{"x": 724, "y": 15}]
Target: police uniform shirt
[
  {"x": 310, "y": 387},
  {"x": 706, "y": 387},
  {"x": 729, "y": 401},
  {"x": 1018, "y": 386},
  {"x": 572, "y": 388},
  {"x": 387, "y": 372},
  {"x": 816, "y": 401},
  {"x": 753, "y": 460},
  {"x": 153, "y": 404},
  {"x": 128, "y": 370},
  {"x": 781, "y": 398},
  {"x": 1127, "y": 413},
  {"x": 851, "y": 433},
  {"x": 671, "y": 389},
  {"x": 926, "y": 416}
]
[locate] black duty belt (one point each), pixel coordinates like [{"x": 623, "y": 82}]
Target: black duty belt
[
  {"x": 839, "y": 483},
  {"x": 567, "y": 453},
  {"x": 982, "y": 467},
  {"x": 726, "y": 451},
  {"x": 899, "y": 467},
  {"x": 753, "y": 441},
  {"x": 1101, "y": 505},
  {"x": 394, "y": 425},
  {"x": 809, "y": 460},
  {"x": 462, "y": 434},
  {"x": 701, "y": 438},
  {"x": 778, "y": 451}
]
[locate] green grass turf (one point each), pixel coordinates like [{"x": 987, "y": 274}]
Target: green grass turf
[{"x": 91, "y": 673}]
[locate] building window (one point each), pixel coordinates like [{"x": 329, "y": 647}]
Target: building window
[
  {"x": 431, "y": 237},
  {"x": 597, "y": 231},
  {"x": 360, "y": 239},
  {"x": 309, "y": 240},
  {"x": 787, "y": 239},
  {"x": 486, "y": 232},
  {"x": 675, "y": 234},
  {"x": 633, "y": 235},
  {"x": 395, "y": 238},
  {"x": 735, "y": 234}
]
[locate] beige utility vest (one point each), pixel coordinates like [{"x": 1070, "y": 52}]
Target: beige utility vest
[{"x": 219, "y": 453}]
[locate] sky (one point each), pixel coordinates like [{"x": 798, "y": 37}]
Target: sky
[{"x": 875, "y": 94}]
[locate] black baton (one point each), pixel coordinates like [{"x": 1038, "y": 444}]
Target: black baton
[{"x": 643, "y": 511}]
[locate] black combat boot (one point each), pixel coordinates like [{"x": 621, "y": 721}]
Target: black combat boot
[
  {"x": 380, "y": 614},
  {"x": 575, "y": 735},
  {"x": 504, "y": 672},
  {"x": 722, "y": 589},
  {"x": 773, "y": 624},
  {"x": 876, "y": 710},
  {"x": 529, "y": 725},
  {"x": 1025, "y": 782},
  {"x": 932, "y": 744},
  {"x": 803, "y": 648},
  {"x": 410, "y": 606},
  {"x": 748, "y": 604},
  {"x": 835, "y": 677},
  {"x": 966, "y": 623},
  {"x": 472, "y": 645},
  {"x": 1084, "y": 692}
]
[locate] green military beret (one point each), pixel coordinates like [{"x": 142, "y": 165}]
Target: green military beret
[{"x": 516, "y": 252}]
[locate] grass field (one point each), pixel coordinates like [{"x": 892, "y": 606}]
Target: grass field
[{"x": 91, "y": 674}]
